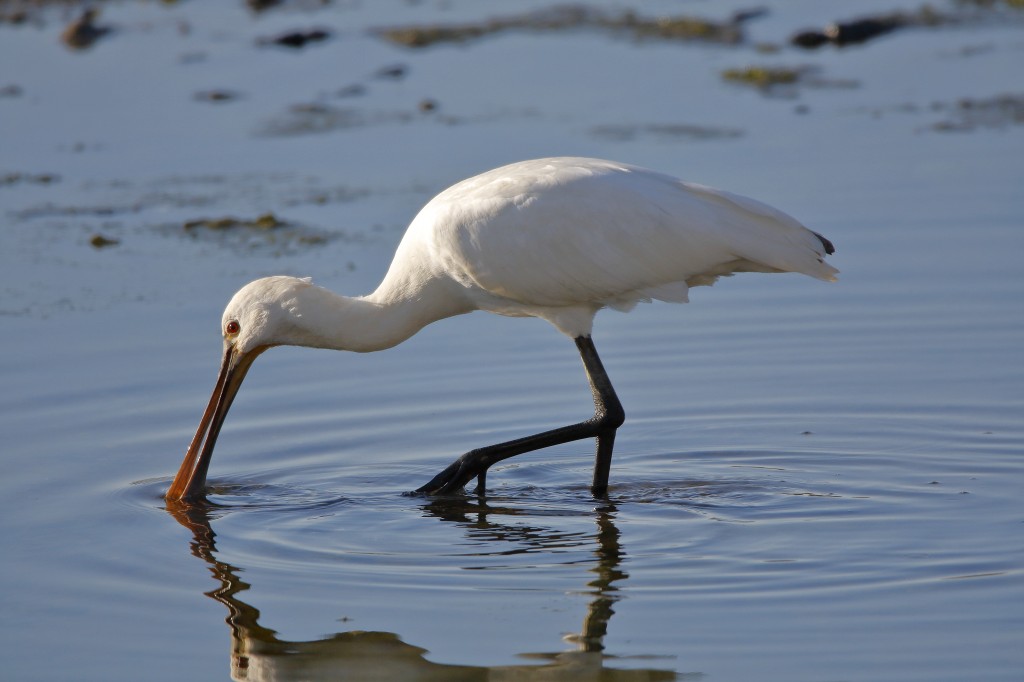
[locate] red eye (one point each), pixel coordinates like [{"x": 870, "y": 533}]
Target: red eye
[{"x": 232, "y": 328}]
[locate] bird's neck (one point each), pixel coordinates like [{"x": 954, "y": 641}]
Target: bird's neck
[{"x": 385, "y": 318}]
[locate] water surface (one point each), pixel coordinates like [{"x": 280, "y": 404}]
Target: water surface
[{"x": 815, "y": 481}]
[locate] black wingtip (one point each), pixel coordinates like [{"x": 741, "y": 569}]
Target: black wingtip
[{"x": 829, "y": 249}]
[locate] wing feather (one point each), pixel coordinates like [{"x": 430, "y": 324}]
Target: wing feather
[{"x": 566, "y": 231}]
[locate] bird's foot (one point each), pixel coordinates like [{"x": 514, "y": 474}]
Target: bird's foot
[{"x": 455, "y": 477}]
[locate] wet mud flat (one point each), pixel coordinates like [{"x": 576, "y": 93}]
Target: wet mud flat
[{"x": 352, "y": 107}]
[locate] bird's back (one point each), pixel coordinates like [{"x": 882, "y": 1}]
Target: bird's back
[{"x": 571, "y": 231}]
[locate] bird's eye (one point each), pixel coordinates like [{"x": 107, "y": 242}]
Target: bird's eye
[{"x": 232, "y": 328}]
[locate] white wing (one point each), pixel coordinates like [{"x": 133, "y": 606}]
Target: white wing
[{"x": 569, "y": 231}]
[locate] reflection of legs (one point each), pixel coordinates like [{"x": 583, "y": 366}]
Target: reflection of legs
[
  {"x": 608, "y": 416},
  {"x": 609, "y": 559}
]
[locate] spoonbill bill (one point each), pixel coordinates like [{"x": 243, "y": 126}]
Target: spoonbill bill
[{"x": 558, "y": 239}]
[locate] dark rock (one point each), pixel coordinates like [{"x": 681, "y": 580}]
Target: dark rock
[
  {"x": 218, "y": 96},
  {"x": 297, "y": 39},
  {"x": 83, "y": 32},
  {"x": 862, "y": 30},
  {"x": 809, "y": 39},
  {"x": 393, "y": 72}
]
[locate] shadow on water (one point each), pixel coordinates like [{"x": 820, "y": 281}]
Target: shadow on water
[{"x": 257, "y": 653}]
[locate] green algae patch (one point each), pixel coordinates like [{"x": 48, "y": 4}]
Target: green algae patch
[
  {"x": 265, "y": 233},
  {"x": 100, "y": 241},
  {"x": 571, "y": 18},
  {"x": 765, "y": 76},
  {"x": 784, "y": 81},
  {"x": 266, "y": 221}
]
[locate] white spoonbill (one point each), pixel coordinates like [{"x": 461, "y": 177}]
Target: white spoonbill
[{"x": 556, "y": 238}]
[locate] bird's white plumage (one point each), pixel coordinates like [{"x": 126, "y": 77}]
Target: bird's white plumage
[
  {"x": 560, "y": 238},
  {"x": 556, "y": 238}
]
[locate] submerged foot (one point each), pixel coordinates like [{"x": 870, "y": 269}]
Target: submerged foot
[{"x": 455, "y": 477}]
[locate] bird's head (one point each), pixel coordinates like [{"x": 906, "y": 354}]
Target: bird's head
[{"x": 264, "y": 313}]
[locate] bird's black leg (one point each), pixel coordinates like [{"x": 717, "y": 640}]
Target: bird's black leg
[
  {"x": 608, "y": 413},
  {"x": 608, "y": 416}
]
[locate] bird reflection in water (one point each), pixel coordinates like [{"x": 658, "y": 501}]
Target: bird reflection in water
[
  {"x": 474, "y": 512},
  {"x": 257, "y": 654}
]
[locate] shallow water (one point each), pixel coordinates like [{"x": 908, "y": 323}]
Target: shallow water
[{"x": 815, "y": 482}]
